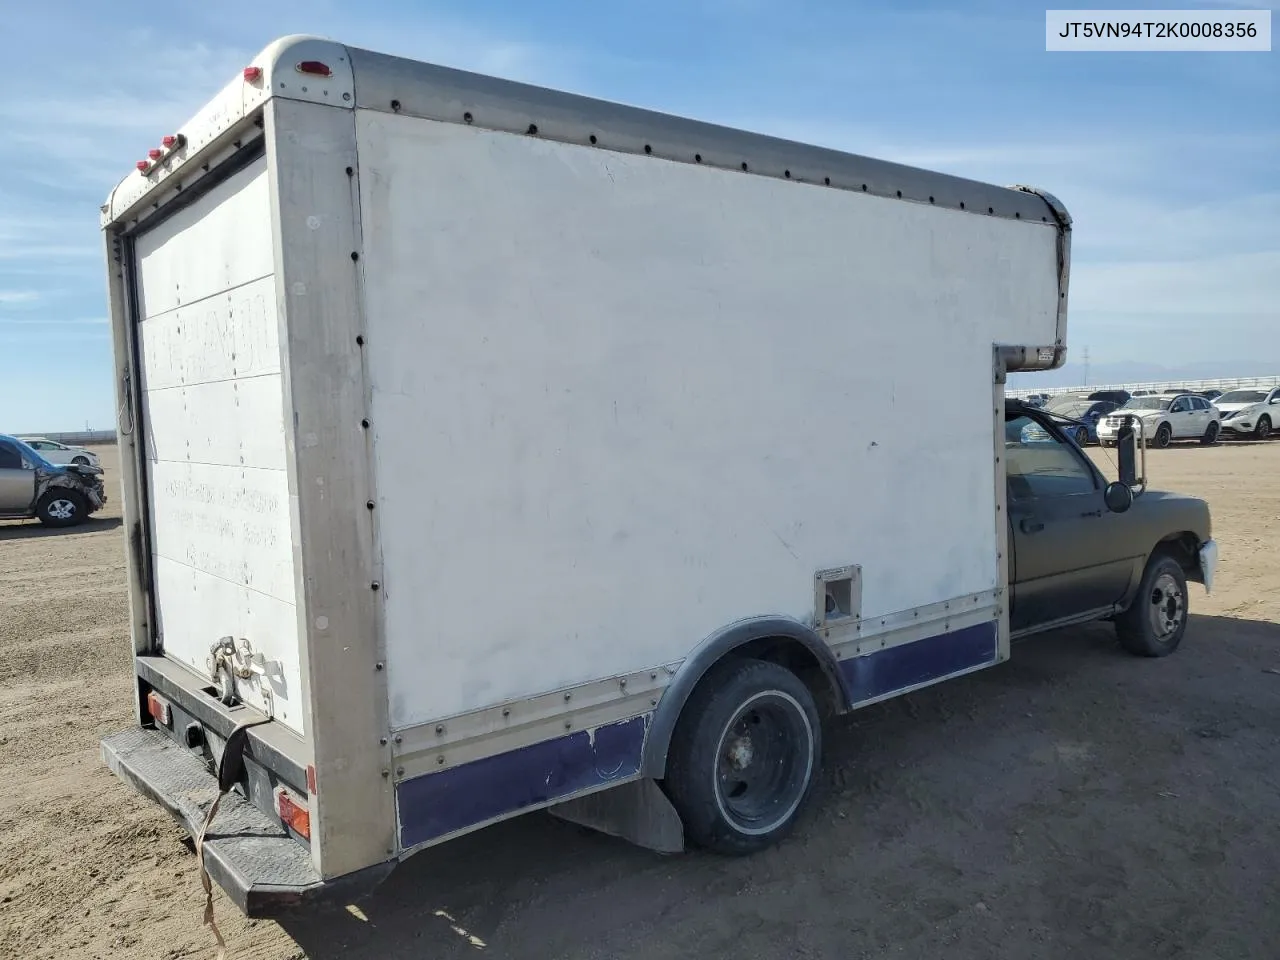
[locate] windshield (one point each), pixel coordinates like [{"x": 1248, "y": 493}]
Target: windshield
[
  {"x": 1243, "y": 396},
  {"x": 1149, "y": 403}
]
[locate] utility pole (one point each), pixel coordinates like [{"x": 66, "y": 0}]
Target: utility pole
[{"x": 1086, "y": 366}]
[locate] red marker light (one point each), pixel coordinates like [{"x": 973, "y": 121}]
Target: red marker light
[
  {"x": 315, "y": 68},
  {"x": 168, "y": 142},
  {"x": 311, "y": 778},
  {"x": 293, "y": 813},
  {"x": 155, "y": 153},
  {"x": 158, "y": 707},
  {"x": 252, "y": 74},
  {"x": 144, "y": 165}
]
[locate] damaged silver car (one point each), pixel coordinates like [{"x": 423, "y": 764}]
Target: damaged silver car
[{"x": 57, "y": 495}]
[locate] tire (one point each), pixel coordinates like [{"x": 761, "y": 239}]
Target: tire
[
  {"x": 1263, "y": 429},
  {"x": 1211, "y": 434},
  {"x": 1105, "y": 443},
  {"x": 83, "y": 461},
  {"x": 745, "y": 756},
  {"x": 62, "y": 507},
  {"x": 1163, "y": 437},
  {"x": 1156, "y": 620},
  {"x": 1082, "y": 436}
]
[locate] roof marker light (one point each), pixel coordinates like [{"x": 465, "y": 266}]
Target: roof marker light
[
  {"x": 144, "y": 165},
  {"x": 155, "y": 153},
  {"x": 168, "y": 141},
  {"x": 315, "y": 68},
  {"x": 252, "y": 74}
]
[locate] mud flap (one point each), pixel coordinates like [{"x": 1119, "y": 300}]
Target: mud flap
[{"x": 637, "y": 811}]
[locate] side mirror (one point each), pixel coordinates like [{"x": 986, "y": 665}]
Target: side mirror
[
  {"x": 1118, "y": 496},
  {"x": 1127, "y": 452}
]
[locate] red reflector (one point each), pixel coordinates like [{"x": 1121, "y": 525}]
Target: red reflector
[
  {"x": 155, "y": 153},
  {"x": 311, "y": 778},
  {"x": 144, "y": 165},
  {"x": 294, "y": 814},
  {"x": 315, "y": 68},
  {"x": 168, "y": 142},
  {"x": 252, "y": 74},
  {"x": 158, "y": 708}
]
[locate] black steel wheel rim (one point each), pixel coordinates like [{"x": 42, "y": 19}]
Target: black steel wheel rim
[{"x": 764, "y": 762}]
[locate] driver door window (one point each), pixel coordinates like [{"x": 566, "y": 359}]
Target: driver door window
[{"x": 1038, "y": 464}]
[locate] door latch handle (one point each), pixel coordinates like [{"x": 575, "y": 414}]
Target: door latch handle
[{"x": 1031, "y": 526}]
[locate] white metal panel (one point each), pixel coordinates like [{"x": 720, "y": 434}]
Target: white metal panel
[
  {"x": 619, "y": 403},
  {"x": 222, "y": 529},
  {"x": 232, "y": 223}
]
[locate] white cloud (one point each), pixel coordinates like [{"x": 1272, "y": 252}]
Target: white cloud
[
  {"x": 1213, "y": 287},
  {"x": 12, "y": 297}
]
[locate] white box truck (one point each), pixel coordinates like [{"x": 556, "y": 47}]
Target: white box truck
[{"x": 488, "y": 449}]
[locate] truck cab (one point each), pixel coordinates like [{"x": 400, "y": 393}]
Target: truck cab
[{"x": 1083, "y": 548}]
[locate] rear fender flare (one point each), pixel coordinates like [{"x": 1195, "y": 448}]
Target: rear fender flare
[{"x": 710, "y": 652}]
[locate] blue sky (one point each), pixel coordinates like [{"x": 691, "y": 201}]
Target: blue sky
[{"x": 1167, "y": 161}]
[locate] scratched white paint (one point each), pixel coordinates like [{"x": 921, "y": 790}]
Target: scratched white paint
[
  {"x": 213, "y": 422},
  {"x": 619, "y": 403}
]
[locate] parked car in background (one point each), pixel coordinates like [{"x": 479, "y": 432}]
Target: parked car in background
[
  {"x": 58, "y": 495},
  {"x": 1118, "y": 397},
  {"x": 1166, "y": 418},
  {"x": 56, "y": 452},
  {"x": 1210, "y": 395},
  {"x": 1250, "y": 412},
  {"x": 1085, "y": 412}
]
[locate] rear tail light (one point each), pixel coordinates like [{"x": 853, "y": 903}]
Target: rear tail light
[
  {"x": 158, "y": 707},
  {"x": 293, "y": 812}
]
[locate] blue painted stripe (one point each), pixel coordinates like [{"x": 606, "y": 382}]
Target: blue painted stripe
[
  {"x": 917, "y": 662},
  {"x": 433, "y": 805}
]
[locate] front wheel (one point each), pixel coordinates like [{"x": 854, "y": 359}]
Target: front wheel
[
  {"x": 1156, "y": 620},
  {"x": 1263, "y": 429},
  {"x": 1164, "y": 436},
  {"x": 1211, "y": 434},
  {"x": 61, "y": 507},
  {"x": 1082, "y": 436},
  {"x": 745, "y": 756},
  {"x": 82, "y": 461}
]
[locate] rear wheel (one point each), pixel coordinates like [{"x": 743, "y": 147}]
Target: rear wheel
[
  {"x": 1082, "y": 436},
  {"x": 1211, "y": 434},
  {"x": 745, "y": 756},
  {"x": 1156, "y": 620},
  {"x": 1164, "y": 436},
  {"x": 83, "y": 461},
  {"x": 1263, "y": 429},
  {"x": 61, "y": 507}
]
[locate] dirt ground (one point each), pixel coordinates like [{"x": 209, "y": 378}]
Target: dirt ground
[{"x": 1074, "y": 802}]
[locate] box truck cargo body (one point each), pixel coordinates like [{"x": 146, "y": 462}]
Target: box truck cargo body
[{"x": 475, "y": 436}]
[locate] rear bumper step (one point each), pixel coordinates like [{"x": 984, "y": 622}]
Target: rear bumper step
[{"x": 264, "y": 871}]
